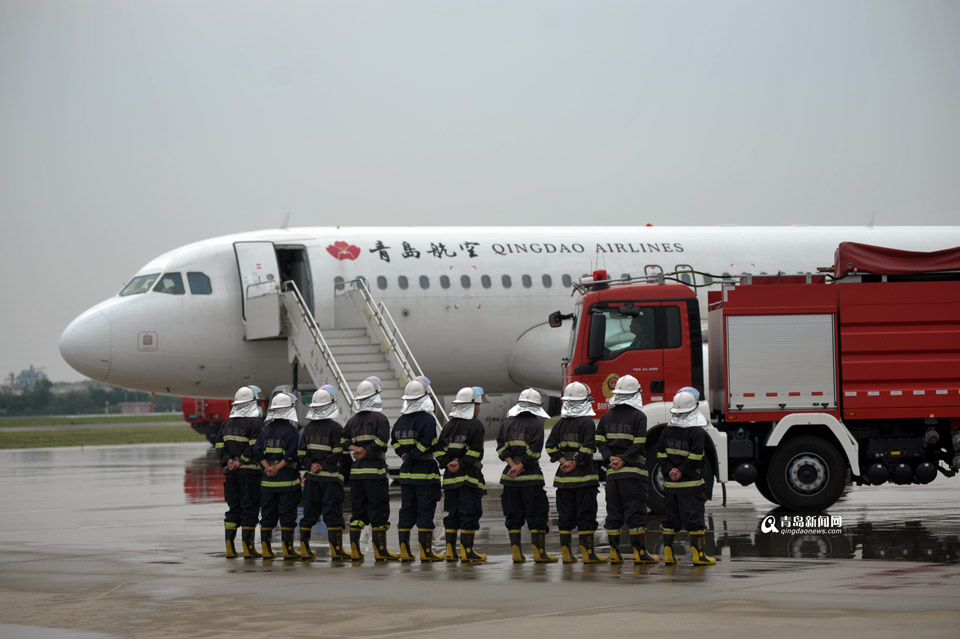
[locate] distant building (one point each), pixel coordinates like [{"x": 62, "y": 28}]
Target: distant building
[
  {"x": 27, "y": 377},
  {"x": 136, "y": 408}
]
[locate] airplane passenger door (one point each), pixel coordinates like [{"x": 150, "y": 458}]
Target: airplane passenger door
[{"x": 260, "y": 289}]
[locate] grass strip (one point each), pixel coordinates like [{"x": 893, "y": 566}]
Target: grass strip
[
  {"x": 99, "y": 437},
  {"x": 88, "y": 419}
]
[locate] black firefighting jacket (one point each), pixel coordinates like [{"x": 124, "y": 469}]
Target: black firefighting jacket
[
  {"x": 278, "y": 441},
  {"x": 622, "y": 433},
  {"x": 572, "y": 438},
  {"x": 682, "y": 447},
  {"x": 462, "y": 440},
  {"x": 321, "y": 443},
  {"x": 521, "y": 437},
  {"x": 235, "y": 440},
  {"x": 369, "y": 430},
  {"x": 413, "y": 438}
]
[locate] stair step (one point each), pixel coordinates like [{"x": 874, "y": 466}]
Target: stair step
[
  {"x": 344, "y": 332},
  {"x": 355, "y": 349},
  {"x": 336, "y": 342}
]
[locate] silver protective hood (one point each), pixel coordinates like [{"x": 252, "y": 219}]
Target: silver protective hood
[
  {"x": 424, "y": 404},
  {"x": 246, "y": 409},
  {"x": 577, "y": 408},
  {"x": 462, "y": 411},
  {"x": 288, "y": 412},
  {"x": 330, "y": 411},
  {"x": 634, "y": 401},
  {"x": 527, "y": 407},
  {"x": 373, "y": 403},
  {"x": 686, "y": 420}
]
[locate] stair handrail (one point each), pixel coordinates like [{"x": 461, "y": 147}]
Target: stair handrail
[
  {"x": 321, "y": 343},
  {"x": 379, "y": 318}
]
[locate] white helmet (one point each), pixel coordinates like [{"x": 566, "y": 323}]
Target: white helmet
[
  {"x": 246, "y": 394},
  {"x": 281, "y": 400},
  {"x": 323, "y": 397},
  {"x": 627, "y": 385},
  {"x": 469, "y": 395},
  {"x": 414, "y": 390},
  {"x": 684, "y": 402},
  {"x": 368, "y": 388},
  {"x": 577, "y": 391},
  {"x": 531, "y": 396}
]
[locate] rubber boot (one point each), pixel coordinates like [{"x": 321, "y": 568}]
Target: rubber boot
[
  {"x": 230, "y": 531},
  {"x": 698, "y": 548},
  {"x": 335, "y": 538},
  {"x": 518, "y": 557},
  {"x": 355, "y": 554},
  {"x": 426, "y": 546},
  {"x": 286, "y": 542},
  {"x": 640, "y": 554},
  {"x": 538, "y": 539},
  {"x": 467, "y": 554},
  {"x": 615, "y": 556},
  {"x": 587, "y": 550},
  {"x": 266, "y": 537},
  {"x": 450, "y": 544},
  {"x": 249, "y": 545},
  {"x": 566, "y": 553},
  {"x": 405, "y": 554},
  {"x": 668, "y": 556},
  {"x": 380, "y": 550},
  {"x": 305, "y": 553}
]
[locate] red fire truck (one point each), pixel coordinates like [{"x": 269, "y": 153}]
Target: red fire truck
[
  {"x": 811, "y": 378},
  {"x": 205, "y": 415}
]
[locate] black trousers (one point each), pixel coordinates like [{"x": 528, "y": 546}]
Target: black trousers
[
  {"x": 322, "y": 497},
  {"x": 577, "y": 508},
  {"x": 525, "y": 504},
  {"x": 370, "y": 502},
  {"x": 626, "y": 502},
  {"x": 279, "y": 506},
  {"x": 418, "y": 505},
  {"x": 685, "y": 511},
  {"x": 242, "y": 494},
  {"x": 462, "y": 508}
]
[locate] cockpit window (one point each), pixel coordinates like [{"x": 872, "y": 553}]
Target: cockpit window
[
  {"x": 139, "y": 284},
  {"x": 171, "y": 283},
  {"x": 199, "y": 284}
]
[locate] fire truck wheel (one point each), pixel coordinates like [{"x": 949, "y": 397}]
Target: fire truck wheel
[
  {"x": 806, "y": 474},
  {"x": 764, "y": 488}
]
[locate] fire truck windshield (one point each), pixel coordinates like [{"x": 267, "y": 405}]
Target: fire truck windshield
[{"x": 628, "y": 332}]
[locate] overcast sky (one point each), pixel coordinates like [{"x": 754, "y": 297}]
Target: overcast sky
[{"x": 130, "y": 128}]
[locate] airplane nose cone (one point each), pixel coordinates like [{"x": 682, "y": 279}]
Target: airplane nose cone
[{"x": 86, "y": 345}]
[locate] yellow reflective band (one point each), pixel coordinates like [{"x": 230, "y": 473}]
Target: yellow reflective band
[
  {"x": 473, "y": 453},
  {"x": 619, "y": 436},
  {"x": 279, "y": 484},
  {"x": 449, "y": 446},
  {"x": 683, "y": 484},
  {"x": 600, "y": 438},
  {"x": 637, "y": 531},
  {"x": 508, "y": 479},
  {"x": 639, "y": 440},
  {"x": 576, "y": 479},
  {"x": 669, "y": 531},
  {"x": 318, "y": 447},
  {"x": 324, "y": 473},
  {"x": 250, "y": 466},
  {"x": 365, "y": 438},
  {"x": 516, "y": 442},
  {"x": 569, "y": 444},
  {"x": 252, "y": 442},
  {"x": 459, "y": 480},
  {"x": 229, "y": 525},
  {"x": 421, "y": 447},
  {"x": 368, "y": 471},
  {"x": 530, "y": 453},
  {"x": 678, "y": 452},
  {"x": 274, "y": 450},
  {"x": 662, "y": 455},
  {"x": 584, "y": 449},
  {"x": 693, "y": 456},
  {"x": 550, "y": 451},
  {"x": 234, "y": 438},
  {"x": 337, "y": 450},
  {"x": 404, "y": 442},
  {"x": 628, "y": 469},
  {"x": 219, "y": 445},
  {"x": 376, "y": 440},
  {"x": 420, "y": 476}
]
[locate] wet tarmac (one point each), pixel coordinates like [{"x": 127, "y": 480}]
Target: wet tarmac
[{"x": 127, "y": 541}]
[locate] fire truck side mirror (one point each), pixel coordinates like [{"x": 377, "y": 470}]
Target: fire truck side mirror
[
  {"x": 598, "y": 329},
  {"x": 555, "y": 319}
]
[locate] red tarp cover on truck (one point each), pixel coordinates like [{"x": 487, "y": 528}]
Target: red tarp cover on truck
[{"x": 879, "y": 260}]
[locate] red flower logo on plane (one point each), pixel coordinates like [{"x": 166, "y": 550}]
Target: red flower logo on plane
[{"x": 344, "y": 251}]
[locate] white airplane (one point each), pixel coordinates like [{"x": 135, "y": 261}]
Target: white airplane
[{"x": 471, "y": 302}]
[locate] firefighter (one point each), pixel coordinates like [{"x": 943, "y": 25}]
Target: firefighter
[
  {"x": 621, "y": 440},
  {"x": 680, "y": 454},
  {"x": 414, "y": 438},
  {"x": 241, "y": 475},
  {"x": 276, "y": 452},
  {"x": 460, "y": 452},
  {"x": 320, "y": 452},
  {"x": 365, "y": 437},
  {"x": 520, "y": 443},
  {"x": 572, "y": 444}
]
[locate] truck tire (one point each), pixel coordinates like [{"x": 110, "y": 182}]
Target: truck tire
[
  {"x": 806, "y": 474},
  {"x": 764, "y": 488}
]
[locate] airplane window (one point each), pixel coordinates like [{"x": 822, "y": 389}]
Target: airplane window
[
  {"x": 338, "y": 283},
  {"x": 424, "y": 282},
  {"x": 527, "y": 281},
  {"x": 402, "y": 281},
  {"x": 139, "y": 284},
  {"x": 199, "y": 283},
  {"x": 547, "y": 281},
  {"x": 444, "y": 281},
  {"x": 171, "y": 283},
  {"x": 567, "y": 281},
  {"x": 485, "y": 281},
  {"x": 507, "y": 282},
  {"x": 465, "y": 281},
  {"x": 381, "y": 282},
  {"x": 624, "y": 276},
  {"x": 686, "y": 278}
]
